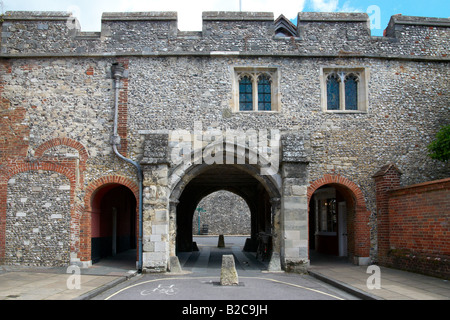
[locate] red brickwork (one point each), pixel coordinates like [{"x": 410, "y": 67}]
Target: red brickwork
[
  {"x": 358, "y": 215},
  {"x": 413, "y": 224},
  {"x": 12, "y": 132},
  {"x": 85, "y": 222},
  {"x": 387, "y": 178},
  {"x": 14, "y": 145},
  {"x": 67, "y": 170},
  {"x": 65, "y": 166},
  {"x": 123, "y": 110}
]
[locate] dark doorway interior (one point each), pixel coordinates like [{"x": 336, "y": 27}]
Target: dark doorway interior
[{"x": 113, "y": 224}]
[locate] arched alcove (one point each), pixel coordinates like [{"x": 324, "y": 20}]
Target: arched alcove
[{"x": 113, "y": 221}]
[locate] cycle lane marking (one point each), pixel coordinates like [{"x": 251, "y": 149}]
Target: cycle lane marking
[{"x": 191, "y": 278}]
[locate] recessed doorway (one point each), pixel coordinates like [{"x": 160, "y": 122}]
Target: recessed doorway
[
  {"x": 328, "y": 222},
  {"x": 113, "y": 222}
]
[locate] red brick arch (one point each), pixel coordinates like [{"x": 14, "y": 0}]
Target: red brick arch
[
  {"x": 35, "y": 166},
  {"x": 91, "y": 190},
  {"x": 39, "y": 152},
  {"x": 103, "y": 181},
  {"x": 20, "y": 167},
  {"x": 360, "y": 224}
]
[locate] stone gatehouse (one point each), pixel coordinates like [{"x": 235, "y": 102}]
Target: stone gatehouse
[{"x": 109, "y": 140}]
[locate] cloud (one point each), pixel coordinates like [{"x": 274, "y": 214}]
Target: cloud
[
  {"x": 190, "y": 12},
  {"x": 325, "y": 5},
  {"x": 348, "y": 8},
  {"x": 89, "y": 12},
  {"x": 332, "y": 6}
]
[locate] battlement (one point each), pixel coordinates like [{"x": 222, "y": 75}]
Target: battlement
[
  {"x": 398, "y": 22},
  {"x": 156, "y": 33}
]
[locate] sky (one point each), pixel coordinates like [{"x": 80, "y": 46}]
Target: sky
[{"x": 89, "y": 12}]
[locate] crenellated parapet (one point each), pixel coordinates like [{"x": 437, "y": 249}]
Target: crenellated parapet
[{"x": 235, "y": 33}]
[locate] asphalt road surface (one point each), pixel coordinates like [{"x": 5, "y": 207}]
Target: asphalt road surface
[
  {"x": 201, "y": 280},
  {"x": 251, "y": 287}
]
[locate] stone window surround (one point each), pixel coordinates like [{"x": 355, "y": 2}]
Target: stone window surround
[
  {"x": 254, "y": 72},
  {"x": 363, "y": 91}
]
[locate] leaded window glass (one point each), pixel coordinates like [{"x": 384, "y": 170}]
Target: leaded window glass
[
  {"x": 351, "y": 93},
  {"x": 333, "y": 96},
  {"x": 245, "y": 94},
  {"x": 344, "y": 90},
  {"x": 256, "y": 89},
  {"x": 264, "y": 93}
]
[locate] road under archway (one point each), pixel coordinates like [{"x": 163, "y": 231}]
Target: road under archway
[{"x": 256, "y": 190}]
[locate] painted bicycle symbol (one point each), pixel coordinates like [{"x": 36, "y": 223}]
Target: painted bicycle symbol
[{"x": 168, "y": 290}]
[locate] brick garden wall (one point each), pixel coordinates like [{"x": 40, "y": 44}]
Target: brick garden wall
[{"x": 413, "y": 228}]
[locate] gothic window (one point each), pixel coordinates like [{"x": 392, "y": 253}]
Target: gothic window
[
  {"x": 264, "y": 93},
  {"x": 256, "y": 89},
  {"x": 245, "y": 94},
  {"x": 351, "y": 92},
  {"x": 344, "y": 89},
  {"x": 333, "y": 96}
]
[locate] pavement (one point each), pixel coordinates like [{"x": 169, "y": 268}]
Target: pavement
[{"x": 38, "y": 283}]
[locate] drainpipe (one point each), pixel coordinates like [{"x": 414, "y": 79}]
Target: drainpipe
[{"x": 117, "y": 72}]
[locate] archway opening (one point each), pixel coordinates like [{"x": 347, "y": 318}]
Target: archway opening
[
  {"x": 113, "y": 223},
  {"x": 331, "y": 223},
  {"x": 221, "y": 220},
  {"x": 238, "y": 180},
  {"x": 222, "y": 212}
]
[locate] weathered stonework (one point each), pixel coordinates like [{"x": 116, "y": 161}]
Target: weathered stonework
[
  {"x": 225, "y": 213},
  {"x": 38, "y": 219},
  {"x": 156, "y": 228},
  {"x": 57, "y": 111}
]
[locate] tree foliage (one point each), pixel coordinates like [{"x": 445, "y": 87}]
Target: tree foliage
[{"x": 440, "y": 147}]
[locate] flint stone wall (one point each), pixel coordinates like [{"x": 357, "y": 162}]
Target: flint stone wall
[
  {"x": 56, "y": 82},
  {"x": 225, "y": 213},
  {"x": 38, "y": 219}
]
